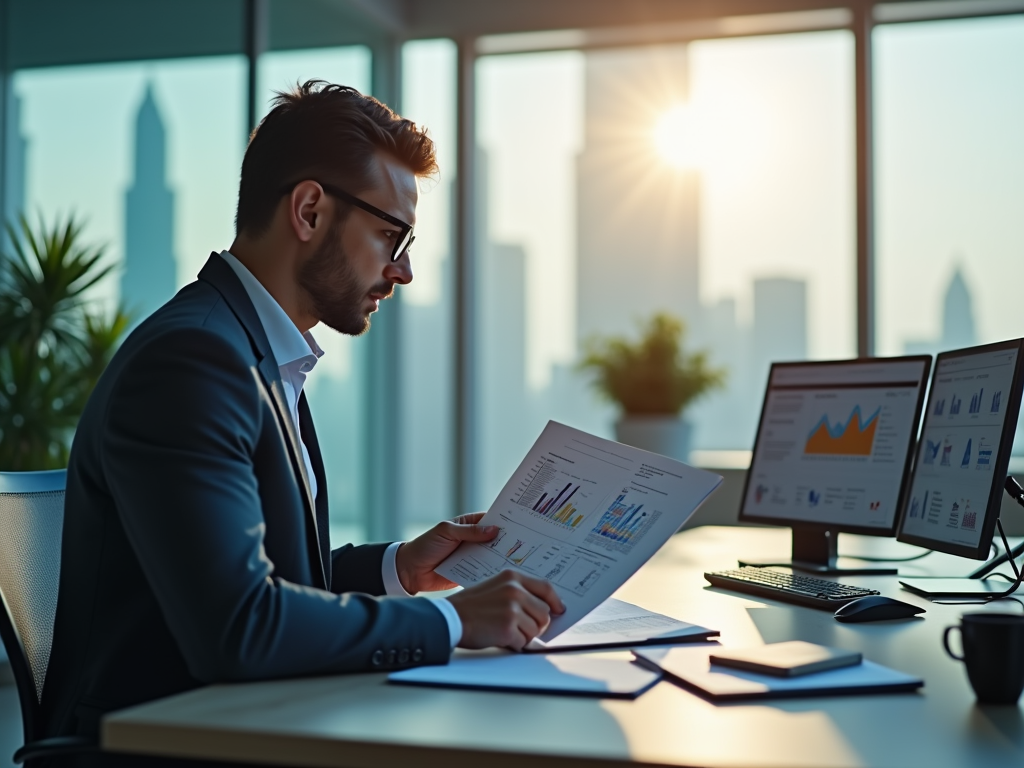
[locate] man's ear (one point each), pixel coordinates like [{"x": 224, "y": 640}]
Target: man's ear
[{"x": 307, "y": 208}]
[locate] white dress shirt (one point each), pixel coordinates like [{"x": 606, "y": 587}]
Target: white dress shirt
[{"x": 297, "y": 354}]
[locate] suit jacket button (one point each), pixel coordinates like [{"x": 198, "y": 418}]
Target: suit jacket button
[
  {"x": 391, "y": 657},
  {"x": 403, "y": 657},
  {"x": 378, "y": 658},
  {"x": 417, "y": 655}
]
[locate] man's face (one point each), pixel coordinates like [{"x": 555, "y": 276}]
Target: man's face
[{"x": 351, "y": 271}]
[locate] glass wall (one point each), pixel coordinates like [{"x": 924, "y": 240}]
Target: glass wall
[
  {"x": 147, "y": 155},
  {"x": 949, "y": 184},
  {"x": 336, "y": 388},
  {"x": 426, "y": 407},
  {"x": 713, "y": 181}
]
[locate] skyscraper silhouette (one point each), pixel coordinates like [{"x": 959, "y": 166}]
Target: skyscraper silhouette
[
  {"x": 637, "y": 217},
  {"x": 149, "y": 277},
  {"x": 958, "y": 328},
  {"x": 780, "y": 323},
  {"x": 13, "y": 158},
  {"x": 958, "y": 314}
]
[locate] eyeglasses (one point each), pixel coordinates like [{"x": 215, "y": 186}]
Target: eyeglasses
[{"x": 406, "y": 236}]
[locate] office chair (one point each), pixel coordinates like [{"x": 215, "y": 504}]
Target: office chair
[{"x": 31, "y": 521}]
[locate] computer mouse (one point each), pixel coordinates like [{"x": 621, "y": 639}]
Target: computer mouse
[{"x": 876, "y": 608}]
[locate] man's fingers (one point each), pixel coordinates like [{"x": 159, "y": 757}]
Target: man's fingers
[
  {"x": 469, "y": 519},
  {"x": 546, "y": 592},
  {"x": 472, "y": 532},
  {"x": 537, "y": 610},
  {"x": 526, "y": 629}
]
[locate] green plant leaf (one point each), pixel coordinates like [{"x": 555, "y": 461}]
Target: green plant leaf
[
  {"x": 653, "y": 375},
  {"x": 54, "y": 344}
]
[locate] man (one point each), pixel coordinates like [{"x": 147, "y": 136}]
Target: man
[{"x": 195, "y": 544}]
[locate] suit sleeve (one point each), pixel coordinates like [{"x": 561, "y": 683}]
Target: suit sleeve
[
  {"x": 358, "y": 569},
  {"x": 179, "y": 440}
]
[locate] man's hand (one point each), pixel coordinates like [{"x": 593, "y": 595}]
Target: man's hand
[
  {"x": 417, "y": 559},
  {"x": 507, "y": 610}
]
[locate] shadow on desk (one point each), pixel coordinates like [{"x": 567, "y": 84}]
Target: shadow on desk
[{"x": 1007, "y": 720}]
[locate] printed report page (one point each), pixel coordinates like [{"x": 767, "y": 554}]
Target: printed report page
[{"x": 584, "y": 513}]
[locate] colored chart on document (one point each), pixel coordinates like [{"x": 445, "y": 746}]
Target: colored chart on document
[{"x": 583, "y": 513}]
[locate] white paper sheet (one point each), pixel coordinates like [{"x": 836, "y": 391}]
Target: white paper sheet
[
  {"x": 616, "y": 622},
  {"x": 590, "y": 674},
  {"x": 584, "y": 513}
]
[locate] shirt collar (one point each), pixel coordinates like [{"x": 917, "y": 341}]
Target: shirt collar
[{"x": 287, "y": 343}]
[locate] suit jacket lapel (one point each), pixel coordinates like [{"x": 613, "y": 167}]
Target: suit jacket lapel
[
  {"x": 308, "y": 435},
  {"x": 218, "y": 273}
]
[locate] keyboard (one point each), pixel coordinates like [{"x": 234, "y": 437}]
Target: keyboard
[{"x": 788, "y": 587}]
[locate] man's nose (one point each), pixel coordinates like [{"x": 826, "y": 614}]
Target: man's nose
[{"x": 400, "y": 271}]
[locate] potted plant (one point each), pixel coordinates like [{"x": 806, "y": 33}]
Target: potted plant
[
  {"x": 653, "y": 380},
  {"x": 54, "y": 341}
]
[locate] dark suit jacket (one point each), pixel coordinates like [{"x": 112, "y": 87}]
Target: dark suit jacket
[{"x": 192, "y": 550}]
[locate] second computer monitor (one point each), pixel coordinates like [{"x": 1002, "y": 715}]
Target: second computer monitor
[
  {"x": 965, "y": 447},
  {"x": 833, "y": 450}
]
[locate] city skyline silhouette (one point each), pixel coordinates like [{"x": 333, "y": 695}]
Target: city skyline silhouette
[{"x": 149, "y": 276}]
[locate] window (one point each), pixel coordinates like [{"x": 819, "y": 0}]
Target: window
[
  {"x": 146, "y": 154},
  {"x": 713, "y": 181},
  {"x": 336, "y": 388},
  {"x": 426, "y": 335},
  {"x": 949, "y": 183}
]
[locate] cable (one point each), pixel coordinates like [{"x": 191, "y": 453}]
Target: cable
[
  {"x": 1006, "y": 544},
  {"x": 888, "y": 559}
]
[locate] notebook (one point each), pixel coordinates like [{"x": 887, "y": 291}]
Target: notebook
[
  {"x": 691, "y": 668},
  {"x": 790, "y": 659}
]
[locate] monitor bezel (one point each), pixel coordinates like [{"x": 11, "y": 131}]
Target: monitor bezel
[
  {"x": 904, "y": 481},
  {"x": 999, "y": 469}
]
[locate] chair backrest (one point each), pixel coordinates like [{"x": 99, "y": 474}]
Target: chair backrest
[{"x": 31, "y": 522}]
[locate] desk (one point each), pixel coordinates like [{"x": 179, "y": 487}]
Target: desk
[{"x": 360, "y": 720}]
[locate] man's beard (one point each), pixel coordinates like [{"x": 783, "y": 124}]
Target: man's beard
[{"x": 333, "y": 290}]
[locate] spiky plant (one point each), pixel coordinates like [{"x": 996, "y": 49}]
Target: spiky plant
[
  {"x": 653, "y": 376},
  {"x": 54, "y": 343}
]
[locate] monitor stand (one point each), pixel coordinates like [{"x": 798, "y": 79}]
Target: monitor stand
[
  {"x": 815, "y": 551},
  {"x": 973, "y": 585}
]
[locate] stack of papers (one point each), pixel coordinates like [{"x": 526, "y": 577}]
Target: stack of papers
[{"x": 616, "y": 623}]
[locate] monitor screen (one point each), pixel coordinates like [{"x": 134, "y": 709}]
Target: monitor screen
[
  {"x": 957, "y": 484},
  {"x": 835, "y": 443}
]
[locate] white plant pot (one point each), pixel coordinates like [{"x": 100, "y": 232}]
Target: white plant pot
[{"x": 667, "y": 435}]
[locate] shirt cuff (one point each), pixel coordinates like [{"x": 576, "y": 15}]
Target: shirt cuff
[
  {"x": 452, "y": 617},
  {"x": 389, "y": 572},
  {"x": 393, "y": 588}
]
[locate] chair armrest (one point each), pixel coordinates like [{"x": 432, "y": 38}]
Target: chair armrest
[{"x": 54, "y": 747}]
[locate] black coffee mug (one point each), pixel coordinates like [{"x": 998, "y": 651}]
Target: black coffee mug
[{"x": 993, "y": 654}]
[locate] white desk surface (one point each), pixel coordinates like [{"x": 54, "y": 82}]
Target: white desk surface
[{"x": 361, "y": 720}]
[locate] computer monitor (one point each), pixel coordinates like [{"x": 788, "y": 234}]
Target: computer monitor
[
  {"x": 957, "y": 483},
  {"x": 833, "y": 453}
]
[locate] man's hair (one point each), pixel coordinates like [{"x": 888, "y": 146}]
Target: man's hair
[{"x": 325, "y": 132}]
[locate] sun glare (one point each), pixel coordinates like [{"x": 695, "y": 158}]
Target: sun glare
[{"x": 675, "y": 137}]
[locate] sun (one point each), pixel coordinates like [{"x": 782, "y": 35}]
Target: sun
[{"x": 675, "y": 137}]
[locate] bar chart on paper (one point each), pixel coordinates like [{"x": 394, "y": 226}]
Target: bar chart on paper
[
  {"x": 624, "y": 522},
  {"x": 550, "y": 493}
]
